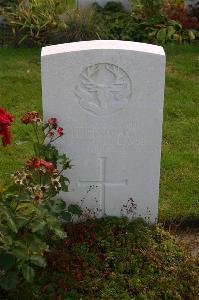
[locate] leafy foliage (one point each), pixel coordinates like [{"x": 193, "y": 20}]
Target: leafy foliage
[
  {"x": 114, "y": 259},
  {"x": 33, "y": 23},
  {"x": 79, "y": 25},
  {"x": 147, "y": 24},
  {"x": 30, "y": 215},
  {"x": 176, "y": 11},
  {"x": 151, "y": 8},
  {"x": 49, "y": 22}
]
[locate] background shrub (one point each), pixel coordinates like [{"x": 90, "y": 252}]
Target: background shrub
[
  {"x": 45, "y": 22},
  {"x": 151, "y": 7},
  {"x": 76, "y": 25}
]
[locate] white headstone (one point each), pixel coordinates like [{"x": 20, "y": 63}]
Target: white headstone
[
  {"x": 83, "y": 3},
  {"x": 108, "y": 96}
]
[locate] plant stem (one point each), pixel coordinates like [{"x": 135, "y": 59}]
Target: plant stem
[{"x": 37, "y": 137}]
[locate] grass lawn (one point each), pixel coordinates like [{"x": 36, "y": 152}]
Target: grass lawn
[{"x": 20, "y": 91}]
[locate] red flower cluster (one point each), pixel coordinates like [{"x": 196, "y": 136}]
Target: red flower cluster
[
  {"x": 53, "y": 126},
  {"x": 60, "y": 131},
  {"x": 53, "y": 123},
  {"x": 37, "y": 162},
  {"x": 30, "y": 117},
  {"x": 177, "y": 13},
  {"x": 5, "y": 122}
]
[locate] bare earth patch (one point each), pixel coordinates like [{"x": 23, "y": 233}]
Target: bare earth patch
[{"x": 190, "y": 240}]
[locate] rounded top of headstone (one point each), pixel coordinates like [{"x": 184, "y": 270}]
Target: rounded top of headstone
[{"x": 104, "y": 45}]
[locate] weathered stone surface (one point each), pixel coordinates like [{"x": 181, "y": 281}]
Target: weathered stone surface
[{"x": 108, "y": 96}]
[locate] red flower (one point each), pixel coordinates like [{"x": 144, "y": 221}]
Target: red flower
[
  {"x": 52, "y": 121},
  {"x": 31, "y": 116},
  {"x": 6, "y": 140},
  {"x": 33, "y": 162},
  {"x": 176, "y": 12},
  {"x": 60, "y": 131},
  {"x": 5, "y": 118},
  {"x": 37, "y": 162},
  {"x": 46, "y": 164},
  {"x": 5, "y": 122}
]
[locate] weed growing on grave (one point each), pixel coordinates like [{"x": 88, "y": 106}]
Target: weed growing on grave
[
  {"x": 112, "y": 258},
  {"x": 30, "y": 215}
]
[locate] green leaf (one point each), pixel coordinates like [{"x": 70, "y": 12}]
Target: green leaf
[
  {"x": 170, "y": 31},
  {"x": 63, "y": 183},
  {"x": 191, "y": 35},
  {"x": 9, "y": 281},
  {"x": 45, "y": 126},
  {"x": 26, "y": 206},
  {"x": 64, "y": 187},
  {"x": 21, "y": 221},
  {"x": 38, "y": 260},
  {"x": 60, "y": 233},
  {"x": 11, "y": 200},
  {"x": 28, "y": 273},
  {"x": 8, "y": 218},
  {"x": 66, "y": 216},
  {"x": 7, "y": 261},
  {"x": 50, "y": 154},
  {"x": 75, "y": 209},
  {"x": 20, "y": 253},
  {"x": 38, "y": 226},
  {"x": 177, "y": 37},
  {"x": 175, "y": 23},
  {"x": 12, "y": 189},
  {"x": 58, "y": 206},
  {"x": 161, "y": 35}
]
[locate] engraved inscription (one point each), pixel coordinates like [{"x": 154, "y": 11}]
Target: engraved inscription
[
  {"x": 103, "y": 89},
  {"x": 105, "y": 140},
  {"x": 102, "y": 182}
]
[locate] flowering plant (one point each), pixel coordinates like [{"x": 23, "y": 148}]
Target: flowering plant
[
  {"x": 5, "y": 122},
  {"x": 176, "y": 12},
  {"x": 30, "y": 215}
]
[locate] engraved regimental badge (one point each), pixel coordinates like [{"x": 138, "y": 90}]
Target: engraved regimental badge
[{"x": 103, "y": 89}]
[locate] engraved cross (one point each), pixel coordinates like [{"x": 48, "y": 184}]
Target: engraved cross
[{"x": 103, "y": 183}]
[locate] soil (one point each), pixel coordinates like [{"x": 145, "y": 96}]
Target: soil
[{"x": 190, "y": 240}]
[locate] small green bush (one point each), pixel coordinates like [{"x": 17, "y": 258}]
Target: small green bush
[
  {"x": 48, "y": 21},
  {"x": 33, "y": 24},
  {"x": 151, "y": 8},
  {"x": 142, "y": 25},
  {"x": 114, "y": 259},
  {"x": 79, "y": 25}
]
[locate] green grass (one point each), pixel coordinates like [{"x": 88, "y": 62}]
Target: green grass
[
  {"x": 20, "y": 91},
  {"x": 179, "y": 192}
]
